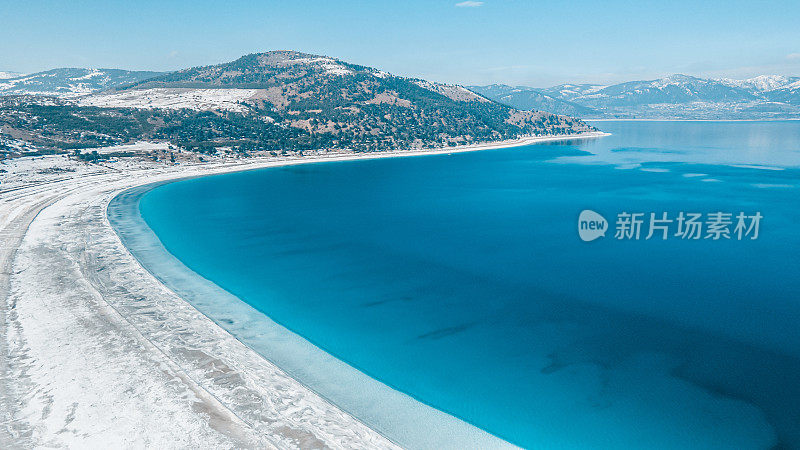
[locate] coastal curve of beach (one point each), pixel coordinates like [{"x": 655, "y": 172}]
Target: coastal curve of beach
[{"x": 96, "y": 352}]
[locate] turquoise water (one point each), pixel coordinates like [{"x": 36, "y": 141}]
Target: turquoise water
[{"x": 461, "y": 281}]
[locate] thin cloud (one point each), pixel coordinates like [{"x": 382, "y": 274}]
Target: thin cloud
[
  {"x": 469, "y": 4},
  {"x": 793, "y": 56}
]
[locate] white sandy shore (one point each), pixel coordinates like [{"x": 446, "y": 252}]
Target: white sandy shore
[{"x": 95, "y": 352}]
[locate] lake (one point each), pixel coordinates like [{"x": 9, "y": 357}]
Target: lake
[{"x": 461, "y": 279}]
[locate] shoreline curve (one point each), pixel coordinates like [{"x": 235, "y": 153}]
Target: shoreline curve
[{"x": 72, "y": 289}]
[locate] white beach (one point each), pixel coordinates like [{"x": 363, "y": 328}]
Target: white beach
[{"x": 96, "y": 352}]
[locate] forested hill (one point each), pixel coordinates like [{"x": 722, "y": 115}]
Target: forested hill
[{"x": 286, "y": 100}]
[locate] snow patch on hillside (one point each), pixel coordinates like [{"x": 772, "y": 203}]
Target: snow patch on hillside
[
  {"x": 138, "y": 147},
  {"x": 574, "y": 90},
  {"x": 93, "y": 73},
  {"x": 336, "y": 69},
  {"x": 452, "y": 91},
  {"x": 329, "y": 65},
  {"x": 761, "y": 82},
  {"x": 171, "y": 98}
]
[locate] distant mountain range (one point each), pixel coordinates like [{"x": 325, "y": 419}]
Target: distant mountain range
[
  {"x": 673, "y": 97},
  {"x": 6, "y": 75},
  {"x": 274, "y": 101},
  {"x": 69, "y": 81}
]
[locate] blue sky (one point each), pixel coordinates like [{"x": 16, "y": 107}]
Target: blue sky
[{"x": 536, "y": 43}]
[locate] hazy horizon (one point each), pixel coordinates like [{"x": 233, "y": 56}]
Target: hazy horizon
[{"x": 441, "y": 81}]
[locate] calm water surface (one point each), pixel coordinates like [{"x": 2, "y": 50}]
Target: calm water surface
[{"x": 461, "y": 280}]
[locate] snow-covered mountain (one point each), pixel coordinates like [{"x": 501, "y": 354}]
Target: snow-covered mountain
[
  {"x": 675, "y": 96},
  {"x": 71, "y": 81},
  {"x": 570, "y": 91},
  {"x": 671, "y": 89},
  {"x": 762, "y": 83},
  {"x": 522, "y": 97}
]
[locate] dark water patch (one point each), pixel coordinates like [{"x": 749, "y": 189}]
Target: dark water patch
[
  {"x": 646, "y": 150},
  {"x": 445, "y": 332}
]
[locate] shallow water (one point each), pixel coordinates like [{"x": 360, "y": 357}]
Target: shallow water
[{"x": 461, "y": 280}]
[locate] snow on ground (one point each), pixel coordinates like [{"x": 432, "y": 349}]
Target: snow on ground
[
  {"x": 314, "y": 60},
  {"x": 6, "y": 75},
  {"x": 97, "y": 353},
  {"x": 172, "y": 98},
  {"x": 17, "y": 145},
  {"x": 759, "y": 83},
  {"x": 452, "y": 91},
  {"x": 336, "y": 69},
  {"x": 138, "y": 147},
  {"x": 93, "y": 73},
  {"x": 26, "y": 171}
]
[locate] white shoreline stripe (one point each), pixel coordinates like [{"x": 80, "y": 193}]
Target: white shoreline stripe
[
  {"x": 97, "y": 352},
  {"x": 385, "y": 410},
  {"x": 102, "y": 355}
]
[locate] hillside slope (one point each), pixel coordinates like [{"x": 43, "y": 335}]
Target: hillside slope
[{"x": 285, "y": 100}]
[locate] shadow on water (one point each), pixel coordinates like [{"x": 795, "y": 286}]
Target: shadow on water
[{"x": 723, "y": 367}]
